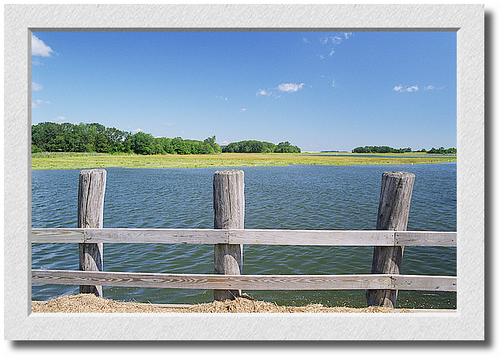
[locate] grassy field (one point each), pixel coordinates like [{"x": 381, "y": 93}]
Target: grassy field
[{"x": 93, "y": 160}]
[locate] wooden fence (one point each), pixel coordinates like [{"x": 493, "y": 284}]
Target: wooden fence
[{"x": 229, "y": 236}]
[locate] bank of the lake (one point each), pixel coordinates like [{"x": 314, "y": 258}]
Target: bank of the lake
[{"x": 68, "y": 161}]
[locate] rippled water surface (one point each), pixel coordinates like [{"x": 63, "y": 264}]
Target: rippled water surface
[{"x": 293, "y": 197}]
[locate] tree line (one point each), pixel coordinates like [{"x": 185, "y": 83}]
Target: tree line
[
  {"x": 94, "y": 137},
  {"x": 442, "y": 150},
  {"x": 388, "y": 149},
  {"x": 256, "y": 146},
  {"x": 380, "y": 149}
]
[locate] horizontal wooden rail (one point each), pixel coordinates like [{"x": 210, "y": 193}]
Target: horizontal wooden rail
[
  {"x": 246, "y": 237},
  {"x": 246, "y": 282}
]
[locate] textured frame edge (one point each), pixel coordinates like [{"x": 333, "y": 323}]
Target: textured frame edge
[{"x": 466, "y": 324}]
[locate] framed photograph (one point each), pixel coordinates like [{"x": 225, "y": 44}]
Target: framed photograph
[{"x": 244, "y": 172}]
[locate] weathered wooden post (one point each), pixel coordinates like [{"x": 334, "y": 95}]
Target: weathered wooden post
[
  {"x": 393, "y": 212},
  {"x": 229, "y": 213},
  {"x": 90, "y": 215}
]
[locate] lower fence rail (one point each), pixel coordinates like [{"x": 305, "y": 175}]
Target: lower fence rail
[{"x": 247, "y": 282}]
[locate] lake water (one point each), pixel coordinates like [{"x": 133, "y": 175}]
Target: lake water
[{"x": 293, "y": 197}]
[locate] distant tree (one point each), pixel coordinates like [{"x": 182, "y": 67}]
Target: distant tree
[
  {"x": 213, "y": 144},
  {"x": 142, "y": 143},
  {"x": 380, "y": 149},
  {"x": 166, "y": 145},
  {"x": 286, "y": 147},
  {"x": 35, "y": 149},
  {"x": 180, "y": 146},
  {"x": 442, "y": 150},
  {"x": 255, "y": 146}
]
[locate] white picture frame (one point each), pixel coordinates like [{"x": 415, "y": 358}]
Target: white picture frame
[{"x": 466, "y": 323}]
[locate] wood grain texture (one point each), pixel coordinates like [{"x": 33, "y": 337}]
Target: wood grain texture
[
  {"x": 393, "y": 213},
  {"x": 57, "y": 235},
  {"x": 426, "y": 238},
  {"x": 246, "y": 237},
  {"x": 311, "y": 237},
  {"x": 161, "y": 236},
  {"x": 91, "y": 196},
  {"x": 247, "y": 282},
  {"x": 229, "y": 213}
]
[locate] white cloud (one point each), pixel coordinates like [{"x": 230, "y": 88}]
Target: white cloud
[
  {"x": 432, "y": 88},
  {"x": 243, "y": 109},
  {"x": 39, "y": 48},
  {"x": 332, "y": 39},
  {"x": 225, "y": 98},
  {"x": 290, "y": 87},
  {"x": 137, "y": 130},
  {"x": 402, "y": 88},
  {"x": 60, "y": 118},
  {"x": 38, "y": 102},
  {"x": 36, "y": 86},
  {"x": 263, "y": 92}
]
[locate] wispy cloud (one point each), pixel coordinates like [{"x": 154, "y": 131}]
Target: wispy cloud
[
  {"x": 39, "y": 48},
  {"x": 414, "y": 88},
  {"x": 330, "y": 42},
  {"x": 60, "y": 118},
  {"x": 347, "y": 35},
  {"x": 137, "y": 130},
  {"x": 290, "y": 87},
  {"x": 332, "y": 39},
  {"x": 36, "y": 86},
  {"x": 243, "y": 109},
  {"x": 36, "y": 103},
  {"x": 224, "y": 98},
  {"x": 263, "y": 92},
  {"x": 403, "y": 88},
  {"x": 432, "y": 87},
  {"x": 282, "y": 88}
]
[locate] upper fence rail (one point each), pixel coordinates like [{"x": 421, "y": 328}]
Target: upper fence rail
[{"x": 245, "y": 237}]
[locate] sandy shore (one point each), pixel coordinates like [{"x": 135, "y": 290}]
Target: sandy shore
[{"x": 87, "y": 303}]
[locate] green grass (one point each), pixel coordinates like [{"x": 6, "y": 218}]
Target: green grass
[{"x": 55, "y": 161}]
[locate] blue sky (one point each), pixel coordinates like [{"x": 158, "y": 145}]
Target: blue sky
[{"x": 318, "y": 90}]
